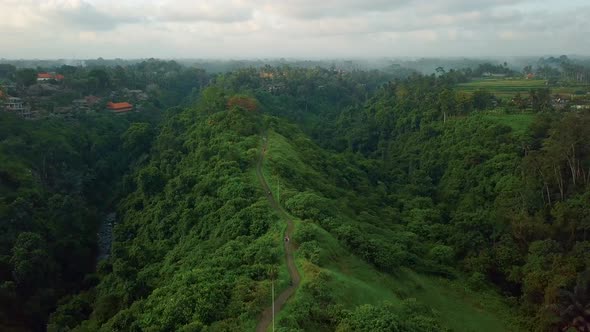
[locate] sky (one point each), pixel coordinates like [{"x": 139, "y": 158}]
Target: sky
[{"x": 245, "y": 29}]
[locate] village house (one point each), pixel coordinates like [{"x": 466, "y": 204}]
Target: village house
[
  {"x": 489, "y": 74},
  {"x": 85, "y": 104},
  {"x": 80, "y": 105},
  {"x": 14, "y": 104},
  {"x": 17, "y": 106},
  {"x": 119, "y": 108},
  {"x": 63, "y": 111},
  {"x": 43, "y": 77}
]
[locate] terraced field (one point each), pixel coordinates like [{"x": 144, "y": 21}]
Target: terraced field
[
  {"x": 507, "y": 88},
  {"x": 502, "y": 87}
]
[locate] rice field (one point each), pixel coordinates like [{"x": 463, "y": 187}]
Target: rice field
[
  {"x": 503, "y": 87},
  {"x": 507, "y": 88}
]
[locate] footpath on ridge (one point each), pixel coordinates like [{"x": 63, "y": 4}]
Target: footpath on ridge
[{"x": 279, "y": 302}]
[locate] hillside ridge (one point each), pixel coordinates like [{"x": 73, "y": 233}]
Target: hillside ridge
[{"x": 267, "y": 314}]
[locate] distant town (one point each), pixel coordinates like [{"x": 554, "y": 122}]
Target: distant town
[
  {"x": 65, "y": 91},
  {"x": 35, "y": 101},
  {"x": 38, "y": 89}
]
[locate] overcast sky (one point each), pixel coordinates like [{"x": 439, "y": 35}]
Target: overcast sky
[{"x": 291, "y": 28}]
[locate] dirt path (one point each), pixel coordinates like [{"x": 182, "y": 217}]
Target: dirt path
[{"x": 266, "y": 318}]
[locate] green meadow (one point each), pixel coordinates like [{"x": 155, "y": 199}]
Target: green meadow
[{"x": 503, "y": 87}]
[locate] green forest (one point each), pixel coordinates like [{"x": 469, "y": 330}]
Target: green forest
[{"x": 416, "y": 206}]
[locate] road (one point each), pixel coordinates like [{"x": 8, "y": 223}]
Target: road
[{"x": 266, "y": 318}]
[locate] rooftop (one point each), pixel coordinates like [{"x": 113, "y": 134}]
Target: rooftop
[{"x": 119, "y": 106}]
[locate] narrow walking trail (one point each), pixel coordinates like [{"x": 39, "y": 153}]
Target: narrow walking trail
[{"x": 266, "y": 318}]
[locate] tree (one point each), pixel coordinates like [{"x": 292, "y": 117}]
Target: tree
[
  {"x": 528, "y": 69},
  {"x": 30, "y": 261},
  {"x": 7, "y": 71},
  {"x": 574, "y": 306},
  {"x": 464, "y": 103},
  {"x": 482, "y": 99},
  {"x": 243, "y": 102},
  {"x": 151, "y": 180},
  {"x": 519, "y": 102},
  {"x": 99, "y": 79},
  {"x": 447, "y": 101},
  {"x": 541, "y": 100},
  {"x": 26, "y": 77},
  {"x": 137, "y": 138},
  {"x": 442, "y": 254}
]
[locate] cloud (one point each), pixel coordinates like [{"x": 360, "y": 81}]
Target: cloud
[
  {"x": 83, "y": 15},
  {"x": 208, "y": 11},
  {"x": 313, "y": 9},
  {"x": 188, "y": 28},
  {"x": 76, "y": 14}
]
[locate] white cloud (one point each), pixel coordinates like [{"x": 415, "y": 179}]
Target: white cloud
[{"x": 304, "y": 28}]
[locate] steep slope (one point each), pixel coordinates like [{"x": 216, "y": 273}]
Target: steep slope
[
  {"x": 358, "y": 265},
  {"x": 56, "y": 177},
  {"x": 196, "y": 237},
  {"x": 422, "y": 210},
  {"x": 277, "y": 305}
]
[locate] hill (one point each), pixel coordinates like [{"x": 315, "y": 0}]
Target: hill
[
  {"x": 366, "y": 205},
  {"x": 336, "y": 238},
  {"x": 197, "y": 238}
]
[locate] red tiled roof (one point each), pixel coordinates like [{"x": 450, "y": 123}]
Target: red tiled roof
[
  {"x": 51, "y": 76},
  {"x": 118, "y": 106}
]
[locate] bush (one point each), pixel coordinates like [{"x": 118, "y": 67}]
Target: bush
[
  {"x": 477, "y": 281},
  {"x": 311, "y": 251},
  {"x": 442, "y": 254},
  {"x": 106, "y": 307},
  {"x": 305, "y": 232}
]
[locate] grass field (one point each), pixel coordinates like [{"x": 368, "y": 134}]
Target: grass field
[
  {"x": 507, "y": 88},
  {"x": 354, "y": 282},
  {"x": 519, "y": 122},
  {"x": 576, "y": 89},
  {"x": 504, "y": 88}
]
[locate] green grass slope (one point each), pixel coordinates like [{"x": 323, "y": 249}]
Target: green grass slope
[
  {"x": 518, "y": 122},
  {"x": 336, "y": 282}
]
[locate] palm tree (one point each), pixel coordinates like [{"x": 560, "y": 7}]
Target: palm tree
[{"x": 574, "y": 307}]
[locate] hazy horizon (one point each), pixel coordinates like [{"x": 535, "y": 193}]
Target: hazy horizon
[
  {"x": 302, "y": 29},
  {"x": 309, "y": 58}
]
